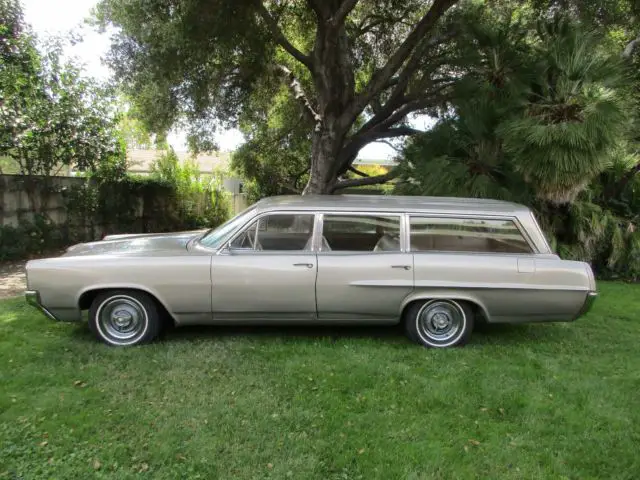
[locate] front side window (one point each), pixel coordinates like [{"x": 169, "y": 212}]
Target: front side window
[
  {"x": 277, "y": 232},
  {"x": 361, "y": 233},
  {"x": 214, "y": 238},
  {"x": 466, "y": 235}
]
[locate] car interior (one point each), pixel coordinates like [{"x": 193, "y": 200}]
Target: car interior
[
  {"x": 424, "y": 242},
  {"x": 286, "y": 232}
]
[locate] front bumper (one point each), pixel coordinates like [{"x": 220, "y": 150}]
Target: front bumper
[{"x": 33, "y": 298}]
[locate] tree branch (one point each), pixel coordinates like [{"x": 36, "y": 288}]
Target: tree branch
[
  {"x": 358, "y": 172},
  {"x": 366, "y": 28},
  {"x": 298, "y": 93},
  {"x": 360, "y": 140},
  {"x": 356, "y": 142},
  {"x": 318, "y": 7},
  {"x": 391, "y": 145},
  {"x": 359, "y": 182},
  {"x": 345, "y": 8},
  {"x": 380, "y": 78},
  {"x": 411, "y": 104},
  {"x": 381, "y": 20},
  {"x": 280, "y": 38}
]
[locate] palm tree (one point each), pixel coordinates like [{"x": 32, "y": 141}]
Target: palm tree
[{"x": 539, "y": 119}]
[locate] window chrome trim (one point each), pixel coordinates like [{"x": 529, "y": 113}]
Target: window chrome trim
[
  {"x": 525, "y": 236},
  {"x": 359, "y": 213},
  {"x": 195, "y": 242},
  {"x": 225, "y": 249},
  {"x": 316, "y": 243},
  {"x": 406, "y": 235}
]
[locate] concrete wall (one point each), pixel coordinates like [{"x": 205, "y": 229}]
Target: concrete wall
[
  {"x": 16, "y": 203},
  {"x": 21, "y": 196}
]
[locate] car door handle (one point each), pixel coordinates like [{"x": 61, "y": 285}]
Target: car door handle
[
  {"x": 308, "y": 265},
  {"x": 405, "y": 267}
]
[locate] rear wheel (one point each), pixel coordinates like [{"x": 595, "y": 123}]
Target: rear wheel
[
  {"x": 123, "y": 318},
  {"x": 439, "y": 323}
]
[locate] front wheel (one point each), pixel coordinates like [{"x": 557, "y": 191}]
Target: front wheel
[
  {"x": 439, "y": 323},
  {"x": 123, "y": 318}
]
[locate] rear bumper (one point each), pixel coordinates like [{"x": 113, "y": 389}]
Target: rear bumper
[
  {"x": 588, "y": 303},
  {"x": 33, "y": 298}
]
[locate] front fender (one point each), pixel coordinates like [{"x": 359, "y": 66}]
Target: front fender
[{"x": 122, "y": 286}]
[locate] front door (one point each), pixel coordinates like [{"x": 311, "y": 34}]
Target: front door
[
  {"x": 268, "y": 273},
  {"x": 363, "y": 273}
]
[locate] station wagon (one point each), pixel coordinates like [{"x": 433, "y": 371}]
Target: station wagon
[{"x": 434, "y": 264}]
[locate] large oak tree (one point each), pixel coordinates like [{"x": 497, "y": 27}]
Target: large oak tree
[{"x": 357, "y": 68}]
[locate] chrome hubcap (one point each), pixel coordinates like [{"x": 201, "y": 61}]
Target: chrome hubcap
[
  {"x": 440, "y": 320},
  {"x": 122, "y": 318}
]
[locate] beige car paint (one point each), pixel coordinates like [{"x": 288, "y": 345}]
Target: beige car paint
[{"x": 199, "y": 285}]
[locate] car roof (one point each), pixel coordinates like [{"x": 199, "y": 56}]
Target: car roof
[{"x": 392, "y": 203}]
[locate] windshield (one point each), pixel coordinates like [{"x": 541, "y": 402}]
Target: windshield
[{"x": 216, "y": 237}]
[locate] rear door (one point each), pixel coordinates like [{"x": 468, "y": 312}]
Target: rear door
[{"x": 364, "y": 271}]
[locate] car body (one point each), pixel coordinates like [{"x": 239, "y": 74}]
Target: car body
[{"x": 324, "y": 260}]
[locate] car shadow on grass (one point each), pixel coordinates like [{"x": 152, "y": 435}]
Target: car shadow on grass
[
  {"x": 484, "y": 334},
  {"x": 392, "y": 333}
]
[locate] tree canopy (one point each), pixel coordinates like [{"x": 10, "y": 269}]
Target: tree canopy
[
  {"x": 50, "y": 115},
  {"x": 357, "y": 69}
]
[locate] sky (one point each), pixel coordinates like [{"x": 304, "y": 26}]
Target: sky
[{"x": 61, "y": 16}]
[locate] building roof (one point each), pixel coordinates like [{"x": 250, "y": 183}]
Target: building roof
[
  {"x": 392, "y": 203},
  {"x": 140, "y": 161}
]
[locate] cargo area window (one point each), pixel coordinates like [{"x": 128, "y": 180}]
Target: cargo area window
[
  {"x": 361, "y": 233},
  {"x": 277, "y": 232},
  {"x": 466, "y": 235}
]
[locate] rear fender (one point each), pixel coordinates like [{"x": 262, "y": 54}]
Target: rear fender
[{"x": 444, "y": 294}]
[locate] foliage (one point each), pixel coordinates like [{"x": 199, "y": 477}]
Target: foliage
[
  {"x": 173, "y": 198},
  {"x": 541, "y": 121},
  {"x": 353, "y": 70},
  {"x": 30, "y": 238},
  {"x": 201, "y": 200},
  {"x": 275, "y": 157},
  {"x": 109, "y": 200},
  {"x": 51, "y": 116},
  {"x": 131, "y": 129},
  {"x": 569, "y": 130},
  {"x": 324, "y": 403}
]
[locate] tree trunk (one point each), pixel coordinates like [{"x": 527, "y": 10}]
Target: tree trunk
[
  {"x": 325, "y": 147},
  {"x": 334, "y": 82}
]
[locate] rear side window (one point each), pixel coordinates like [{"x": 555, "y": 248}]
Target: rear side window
[
  {"x": 361, "y": 233},
  {"x": 466, "y": 235}
]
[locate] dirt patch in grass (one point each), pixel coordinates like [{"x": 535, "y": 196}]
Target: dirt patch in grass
[{"x": 13, "y": 279}]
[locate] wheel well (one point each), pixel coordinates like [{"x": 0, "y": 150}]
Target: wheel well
[
  {"x": 478, "y": 311},
  {"x": 87, "y": 298}
]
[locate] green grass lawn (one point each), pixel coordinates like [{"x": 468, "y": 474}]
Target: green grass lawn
[{"x": 535, "y": 401}]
